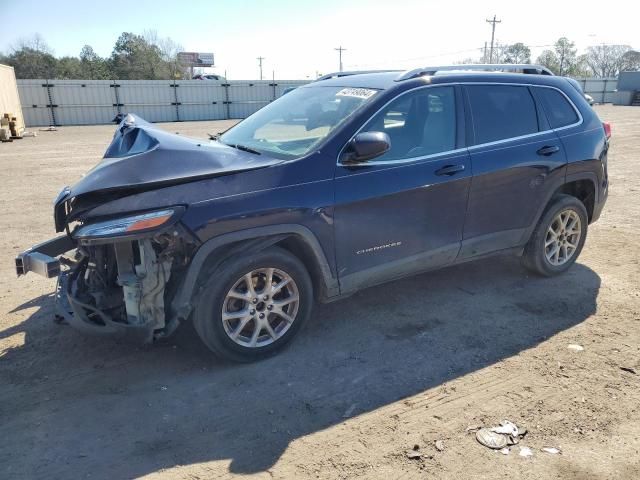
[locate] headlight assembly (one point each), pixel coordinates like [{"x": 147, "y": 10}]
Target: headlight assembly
[{"x": 130, "y": 225}]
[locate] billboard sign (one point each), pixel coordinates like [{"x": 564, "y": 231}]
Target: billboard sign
[{"x": 196, "y": 59}]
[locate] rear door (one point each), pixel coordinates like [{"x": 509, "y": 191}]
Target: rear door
[
  {"x": 516, "y": 159},
  {"x": 404, "y": 211}
]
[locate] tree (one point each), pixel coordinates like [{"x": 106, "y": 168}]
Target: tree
[
  {"x": 610, "y": 60},
  {"x": 566, "y": 54},
  {"x": 35, "y": 42},
  {"x": 517, "y": 53},
  {"x": 69, "y": 68},
  {"x": 631, "y": 61},
  {"x": 563, "y": 59},
  {"x": 499, "y": 54},
  {"x": 168, "y": 53},
  {"x": 29, "y": 63},
  {"x": 549, "y": 59},
  {"x": 134, "y": 58},
  {"x": 580, "y": 68},
  {"x": 32, "y": 58},
  {"x": 93, "y": 66}
]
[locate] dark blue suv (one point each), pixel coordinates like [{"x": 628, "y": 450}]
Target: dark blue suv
[{"x": 341, "y": 184}]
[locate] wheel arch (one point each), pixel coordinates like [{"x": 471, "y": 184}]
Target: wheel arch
[
  {"x": 574, "y": 183},
  {"x": 296, "y": 239},
  {"x": 582, "y": 187}
]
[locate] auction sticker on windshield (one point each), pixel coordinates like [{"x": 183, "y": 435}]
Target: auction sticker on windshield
[{"x": 356, "y": 92}]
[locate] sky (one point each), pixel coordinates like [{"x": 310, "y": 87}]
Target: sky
[{"x": 298, "y": 38}]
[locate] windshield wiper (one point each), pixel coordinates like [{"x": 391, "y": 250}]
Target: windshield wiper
[
  {"x": 216, "y": 136},
  {"x": 244, "y": 148}
]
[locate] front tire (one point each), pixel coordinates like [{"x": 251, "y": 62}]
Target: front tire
[
  {"x": 252, "y": 307},
  {"x": 558, "y": 238}
]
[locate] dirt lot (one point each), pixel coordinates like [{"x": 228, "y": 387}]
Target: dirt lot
[{"x": 405, "y": 364}]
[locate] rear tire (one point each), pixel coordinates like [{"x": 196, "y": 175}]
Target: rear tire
[
  {"x": 558, "y": 239},
  {"x": 246, "y": 322}
]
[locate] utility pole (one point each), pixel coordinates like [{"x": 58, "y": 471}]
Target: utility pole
[
  {"x": 260, "y": 65},
  {"x": 493, "y": 33},
  {"x": 340, "y": 50}
]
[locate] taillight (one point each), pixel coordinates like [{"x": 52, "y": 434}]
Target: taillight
[{"x": 607, "y": 129}]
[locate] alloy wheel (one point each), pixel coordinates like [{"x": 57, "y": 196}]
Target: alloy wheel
[
  {"x": 563, "y": 237},
  {"x": 260, "y": 307}
]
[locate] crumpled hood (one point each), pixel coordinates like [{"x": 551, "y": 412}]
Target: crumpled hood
[{"x": 142, "y": 156}]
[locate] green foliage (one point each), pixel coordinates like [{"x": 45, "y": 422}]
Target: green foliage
[
  {"x": 93, "y": 66},
  {"x": 134, "y": 57},
  {"x": 517, "y": 53},
  {"x": 549, "y": 59},
  {"x": 30, "y": 63},
  {"x": 68, "y": 68}
]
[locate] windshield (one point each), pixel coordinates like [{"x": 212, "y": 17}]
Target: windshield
[{"x": 294, "y": 124}]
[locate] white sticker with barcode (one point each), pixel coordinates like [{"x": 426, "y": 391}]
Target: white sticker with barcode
[{"x": 356, "y": 92}]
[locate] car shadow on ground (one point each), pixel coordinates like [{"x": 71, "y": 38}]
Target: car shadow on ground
[{"x": 77, "y": 406}]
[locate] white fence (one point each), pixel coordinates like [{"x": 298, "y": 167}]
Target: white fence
[
  {"x": 86, "y": 102},
  {"x": 601, "y": 89}
]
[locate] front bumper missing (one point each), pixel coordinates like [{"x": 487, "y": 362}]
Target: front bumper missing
[
  {"x": 142, "y": 288},
  {"x": 88, "y": 319}
]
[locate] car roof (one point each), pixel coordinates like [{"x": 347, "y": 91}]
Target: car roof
[
  {"x": 378, "y": 80},
  {"x": 389, "y": 80}
]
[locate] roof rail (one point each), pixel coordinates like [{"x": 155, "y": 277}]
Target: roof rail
[
  {"x": 482, "y": 67},
  {"x": 351, "y": 72}
]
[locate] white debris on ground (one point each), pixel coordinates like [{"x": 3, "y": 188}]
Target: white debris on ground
[
  {"x": 503, "y": 436},
  {"x": 551, "y": 450},
  {"x": 574, "y": 347},
  {"x": 506, "y": 428},
  {"x": 491, "y": 439},
  {"x": 526, "y": 452}
]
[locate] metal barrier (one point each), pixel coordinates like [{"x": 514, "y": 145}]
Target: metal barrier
[
  {"x": 601, "y": 89},
  {"x": 88, "y": 102}
]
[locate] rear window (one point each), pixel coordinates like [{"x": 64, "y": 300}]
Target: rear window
[
  {"x": 502, "y": 111},
  {"x": 558, "y": 109}
]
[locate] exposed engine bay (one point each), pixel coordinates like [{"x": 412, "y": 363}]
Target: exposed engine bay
[{"x": 124, "y": 286}]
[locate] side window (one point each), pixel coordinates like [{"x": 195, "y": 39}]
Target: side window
[
  {"x": 558, "y": 109},
  {"x": 418, "y": 124},
  {"x": 501, "y": 111}
]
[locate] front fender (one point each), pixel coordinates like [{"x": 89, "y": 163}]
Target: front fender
[{"x": 252, "y": 240}]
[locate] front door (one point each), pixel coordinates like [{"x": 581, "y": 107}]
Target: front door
[{"x": 404, "y": 211}]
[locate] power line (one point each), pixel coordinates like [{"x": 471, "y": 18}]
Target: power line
[
  {"x": 260, "y": 65},
  {"x": 493, "y": 33},
  {"x": 340, "y": 50},
  {"x": 479, "y": 49},
  {"x": 424, "y": 57}
]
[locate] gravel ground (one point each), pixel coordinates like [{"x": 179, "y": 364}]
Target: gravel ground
[{"x": 396, "y": 366}]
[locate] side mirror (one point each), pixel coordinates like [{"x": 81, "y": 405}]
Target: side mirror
[{"x": 365, "y": 146}]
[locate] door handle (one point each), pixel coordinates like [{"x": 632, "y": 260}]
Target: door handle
[
  {"x": 449, "y": 170},
  {"x": 548, "y": 150}
]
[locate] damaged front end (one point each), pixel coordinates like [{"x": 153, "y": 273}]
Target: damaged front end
[
  {"x": 124, "y": 269},
  {"x": 121, "y": 276}
]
